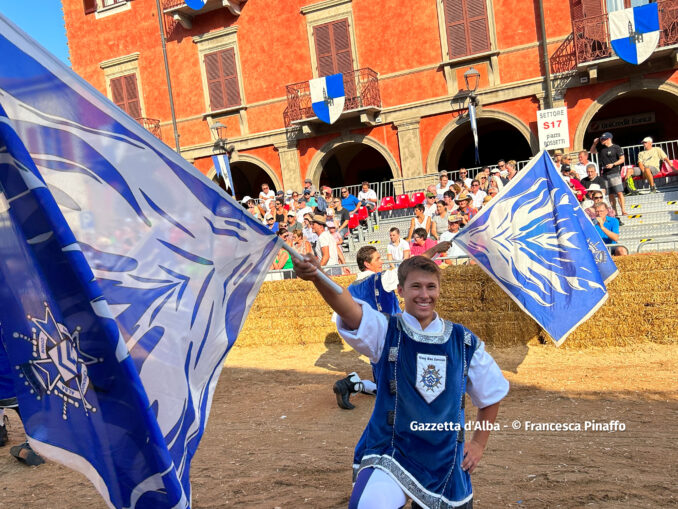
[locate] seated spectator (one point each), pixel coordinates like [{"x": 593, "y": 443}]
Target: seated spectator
[
  {"x": 581, "y": 168},
  {"x": 448, "y": 198},
  {"x": 253, "y": 208},
  {"x": 484, "y": 182},
  {"x": 497, "y": 179},
  {"x": 300, "y": 243},
  {"x": 310, "y": 199},
  {"x": 443, "y": 185},
  {"x": 308, "y": 185},
  {"x": 486, "y": 200},
  {"x": 341, "y": 217},
  {"x": 649, "y": 164},
  {"x": 463, "y": 176},
  {"x": 511, "y": 170},
  {"x": 339, "y": 241},
  {"x": 283, "y": 260},
  {"x": 266, "y": 196},
  {"x": 308, "y": 232},
  {"x": 398, "y": 249},
  {"x": 349, "y": 202},
  {"x": 455, "y": 252},
  {"x": 419, "y": 221},
  {"x": 598, "y": 197},
  {"x": 291, "y": 198},
  {"x": 574, "y": 184},
  {"x": 421, "y": 243},
  {"x": 465, "y": 210},
  {"x": 439, "y": 220},
  {"x": 324, "y": 200},
  {"x": 476, "y": 194},
  {"x": 292, "y": 223},
  {"x": 492, "y": 191},
  {"x": 608, "y": 229},
  {"x": 430, "y": 205},
  {"x": 279, "y": 213},
  {"x": 368, "y": 197},
  {"x": 592, "y": 177},
  {"x": 271, "y": 223},
  {"x": 303, "y": 209}
]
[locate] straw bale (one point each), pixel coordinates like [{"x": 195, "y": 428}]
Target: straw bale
[{"x": 640, "y": 309}]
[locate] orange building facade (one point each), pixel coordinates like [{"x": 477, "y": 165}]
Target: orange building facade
[{"x": 245, "y": 65}]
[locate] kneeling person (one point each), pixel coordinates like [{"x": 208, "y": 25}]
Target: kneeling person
[{"x": 423, "y": 367}]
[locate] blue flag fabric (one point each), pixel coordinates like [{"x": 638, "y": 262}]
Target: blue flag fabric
[
  {"x": 223, "y": 168},
  {"x": 538, "y": 244},
  {"x": 125, "y": 278}
]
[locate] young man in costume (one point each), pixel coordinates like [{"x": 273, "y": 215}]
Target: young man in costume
[{"x": 413, "y": 445}]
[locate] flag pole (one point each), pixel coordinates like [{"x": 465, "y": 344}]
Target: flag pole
[{"x": 323, "y": 277}]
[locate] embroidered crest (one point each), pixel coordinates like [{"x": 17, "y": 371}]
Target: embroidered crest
[{"x": 431, "y": 371}]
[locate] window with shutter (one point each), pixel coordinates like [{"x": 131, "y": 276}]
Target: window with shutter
[
  {"x": 125, "y": 94},
  {"x": 90, "y": 6},
  {"x": 333, "y": 48},
  {"x": 222, "y": 79},
  {"x": 467, "y": 27}
]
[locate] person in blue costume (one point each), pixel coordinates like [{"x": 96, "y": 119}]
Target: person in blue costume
[
  {"x": 376, "y": 287},
  {"x": 414, "y": 443},
  {"x": 8, "y": 400}
]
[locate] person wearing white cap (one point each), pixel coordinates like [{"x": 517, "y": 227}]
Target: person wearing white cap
[
  {"x": 252, "y": 207},
  {"x": 649, "y": 164}
]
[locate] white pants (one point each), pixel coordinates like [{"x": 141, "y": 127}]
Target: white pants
[{"x": 380, "y": 492}]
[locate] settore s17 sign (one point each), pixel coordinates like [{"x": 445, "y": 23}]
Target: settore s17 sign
[{"x": 553, "y": 128}]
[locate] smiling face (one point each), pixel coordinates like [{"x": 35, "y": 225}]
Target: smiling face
[
  {"x": 375, "y": 264},
  {"x": 394, "y": 237},
  {"x": 420, "y": 291}
]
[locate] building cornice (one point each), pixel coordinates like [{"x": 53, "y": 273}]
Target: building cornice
[
  {"x": 321, "y": 6},
  {"x": 224, "y": 32},
  {"x": 132, "y": 57}
]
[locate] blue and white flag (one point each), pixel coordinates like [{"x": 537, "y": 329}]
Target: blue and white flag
[
  {"x": 537, "y": 243},
  {"x": 223, "y": 168},
  {"x": 474, "y": 128},
  {"x": 634, "y": 32},
  {"x": 125, "y": 278},
  {"x": 328, "y": 97}
]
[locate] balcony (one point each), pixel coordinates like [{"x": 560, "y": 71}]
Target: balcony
[
  {"x": 362, "y": 100},
  {"x": 181, "y": 13},
  {"x": 592, "y": 37},
  {"x": 152, "y": 125}
]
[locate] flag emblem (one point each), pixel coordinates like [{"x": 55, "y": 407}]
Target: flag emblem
[
  {"x": 431, "y": 380},
  {"x": 634, "y": 32},
  {"x": 328, "y": 97}
]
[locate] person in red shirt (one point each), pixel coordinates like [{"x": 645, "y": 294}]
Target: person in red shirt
[
  {"x": 421, "y": 243},
  {"x": 465, "y": 210}
]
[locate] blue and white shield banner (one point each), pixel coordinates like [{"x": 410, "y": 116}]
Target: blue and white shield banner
[
  {"x": 125, "y": 278},
  {"x": 537, "y": 243},
  {"x": 222, "y": 166},
  {"x": 634, "y": 32},
  {"x": 328, "y": 97},
  {"x": 474, "y": 128}
]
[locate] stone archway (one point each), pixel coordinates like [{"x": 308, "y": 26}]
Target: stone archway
[
  {"x": 327, "y": 151},
  {"x": 461, "y": 127},
  {"x": 664, "y": 91}
]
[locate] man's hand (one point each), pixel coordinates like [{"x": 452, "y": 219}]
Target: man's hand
[
  {"x": 600, "y": 220},
  {"x": 307, "y": 269},
  {"x": 473, "y": 451},
  {"x": 595, "y": 142}
]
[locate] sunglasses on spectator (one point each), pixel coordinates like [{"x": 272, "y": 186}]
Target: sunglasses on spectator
[
  {"x": 598, "y": 197},
  {"x": 475, "y": 185},
  {"x": 483, "y": 178},
  {"x": 344, "y": 192}
]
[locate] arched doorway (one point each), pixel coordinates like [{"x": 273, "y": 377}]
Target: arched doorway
[
  {"x": 633, "y": 115},
  {"x": 353, "y": 163},
  {"x": 496, "y": 140}
]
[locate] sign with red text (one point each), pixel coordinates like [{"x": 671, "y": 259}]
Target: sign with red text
[{"x": 553, "y": 128}]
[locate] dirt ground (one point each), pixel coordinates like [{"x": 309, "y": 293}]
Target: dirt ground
[{"x": 276, "y": 438}]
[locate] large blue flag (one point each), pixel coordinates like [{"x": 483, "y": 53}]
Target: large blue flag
[
  {"x": 125, "y": 277},
  {"x": 538, "y": 244}
]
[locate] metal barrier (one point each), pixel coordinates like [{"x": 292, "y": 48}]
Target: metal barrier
[{"x": 666, "y": 239}]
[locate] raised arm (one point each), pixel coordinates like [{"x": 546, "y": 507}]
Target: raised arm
[{"x": 594, "y": 147}]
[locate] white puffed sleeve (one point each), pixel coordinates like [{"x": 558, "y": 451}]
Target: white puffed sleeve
[{"x": 368, "y": 339}]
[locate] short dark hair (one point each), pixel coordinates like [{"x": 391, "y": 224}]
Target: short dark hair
[
  {"x": 420, "y": 232},
  {"x": 363, "y": 255},
  {"x": 365, "y": 183},
  {"x": 475, "y": 181},
  {"x": 449, "y": 194},
  {"x": 442, "y": 202},
  {"x": 416, "y": 263},
  {"x": 394, "y": 229},
  {"x": 419, "y": 206}
]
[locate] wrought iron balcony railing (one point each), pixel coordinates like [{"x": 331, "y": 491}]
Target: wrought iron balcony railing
[
  {"x": 152, "y": 125},
  {"x": 360, "y": 86},
  {"x": 592, "y": 36}
]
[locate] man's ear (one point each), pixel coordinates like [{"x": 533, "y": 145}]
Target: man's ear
[{"x": 400, "y": 291}]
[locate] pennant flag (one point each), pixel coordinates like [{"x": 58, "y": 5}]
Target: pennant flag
[
  {"x": 328, "y": 97},
  {"x": 474, "y": 128},
  {"x": 537, "y": 243},
  {"x": 125, "y": 278},
  {"x": 634, "y": 32},
  {"x": 222, "y": 166}
]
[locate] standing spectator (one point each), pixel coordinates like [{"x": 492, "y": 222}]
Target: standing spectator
[
  {"x": 608, "y": 229},
  {"x": 463, "y": 176},
  {"x": 430, "y": 206},
  {"x": 308, "y": 185},
  {"x": 419, "y": 221},
  {"x": 582, "y": 165},
  {"x": 326, "y": 247},
  {"x": 300, "y": 243},
  {"x": 341, "y": 217},
  {"x": 308, "y": 232},
  {"x": 455, "y": 252},
  {"x": 649, "y": 164},
  {"x": 339, "y": 241},
  {"x": 303, "y": 209},
  {"x": 292, "y": 223},
  {"x": 266, "y": 196},
  {"x": 398, "y": 249},
  {"x": 349, "y": 202},
  {"x": 439, "y": 220},
  {"x": 368, "y": 197},
  {"x": 592, "y": 177},
  {"x": 611, "y": 158},
  {"x": 443, "y": 185},
  {"x": 476, "y": 194}
]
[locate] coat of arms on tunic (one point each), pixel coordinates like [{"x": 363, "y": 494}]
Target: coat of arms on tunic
[{"x": 431, "y": 370}]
